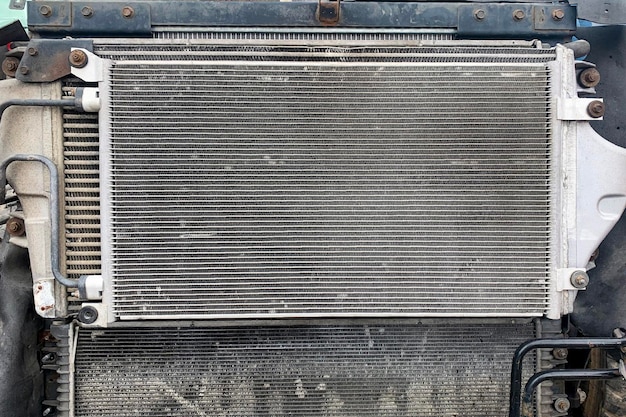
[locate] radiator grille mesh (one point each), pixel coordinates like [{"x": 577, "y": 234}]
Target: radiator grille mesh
[
  {"x": 329, "y": 188},
  {"x": 409, "y": 370}
]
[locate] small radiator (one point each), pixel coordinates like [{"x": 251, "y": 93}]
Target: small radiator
[{"x": 315, "y": 181}]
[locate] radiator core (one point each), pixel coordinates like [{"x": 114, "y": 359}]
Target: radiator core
[
  {"x": 316, "y": 181},
  {"x": 335, "y": 370}
]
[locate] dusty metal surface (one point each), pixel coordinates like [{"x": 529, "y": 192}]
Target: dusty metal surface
[
  {"x": 368, "y": 370},
  {"x": 236, "y": 193}
]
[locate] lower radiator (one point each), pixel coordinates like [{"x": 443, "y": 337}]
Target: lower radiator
[{"x": 339, "y": 370}]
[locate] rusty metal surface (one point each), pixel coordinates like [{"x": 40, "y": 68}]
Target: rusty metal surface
[
  {"x": 48, "y": 59},
  {"x": 328, "y": 12},
  {"x": 524, "y": 20}
]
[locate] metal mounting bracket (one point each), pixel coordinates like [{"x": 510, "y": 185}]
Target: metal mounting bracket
[
  {"x": 47, "y": 60},
  {"x": 328, "y": 12}
]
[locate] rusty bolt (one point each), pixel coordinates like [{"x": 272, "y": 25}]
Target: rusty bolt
[
  {"x": 128, "y": 12},
  {"x": 558, "y": 14},
  {"x": 9, "y": 66},
  {"x": 78, "y": 59},
  {"x": 45, "y": 10},
  {"x": 596, "y": 109},
  {"x": 86, "y": 11},
  {"x": 518, "y": 15},
  {"x": 589, "y": 77},
  {"x": 24, "y": 70},
  {"x": 580, "y": 279},
  {"x": 32, "y": 51},
  {"x": 560, "y": 353},
  {"x": 15, "y": 226},
  {"x": 561, "y": 405},
  {"x": 479, "y": 14}
]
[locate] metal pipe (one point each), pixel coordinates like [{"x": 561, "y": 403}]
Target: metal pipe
[
  {"x": 54, "y": 209},
  {"x": 565, "y": 375},
  {"x": 524, "y": 348},
  {"x": 36, "y": 102}
]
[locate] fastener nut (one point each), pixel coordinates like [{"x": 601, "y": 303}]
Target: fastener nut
[
  {"x": 9, "y": 66},
  {"x": 561, "y": 405},
  {"x": 78, "y": 59},
  {"x": 32, "y": 51},
  {"x": 579, "y": 279},
  {"x": 86, "y": 11},
  {"x": 128, "y": 12},
  {"x": 518, "y": 15},
  {"x": 560, "y": 353},
  {"x": 24, "y": 70},
  {"x": 479, "y": 14},
  {"x": 45, "y": 10},
  {"x": 558, "y": 14},
  {"x": 589, "y": 77},
  {"x": 15, "y": 226},
  {"x": 596, "y": 109}
]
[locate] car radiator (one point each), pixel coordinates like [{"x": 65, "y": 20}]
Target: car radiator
[
  {"x": 235, "y": 182},
  {"x": 308, "y": 181}
]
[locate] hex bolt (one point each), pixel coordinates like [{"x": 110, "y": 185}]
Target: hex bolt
[
  {"x": 24, "y": 70},
  {"x": 558, "y": 14},
  {"x": 589, "y": 77},
  {"x": 596, "y": 109},
  {"x": 518, "y": 15},
  {"x": 86, "y": 11},
  {"x": 579, "y": 279},
  {"x": 560, "y": 353},
  {"x": 15, "y": 226},
  {"x": 32, "y": 51},
  {"x": 128, "y": 12},
  {"x": 88, "y": 315},
  {"x": 561, "y": 405},
  {"x": 479, "y": 14},
  {"x": 9, "y": 66},
  {"x": 45, "y": 10},
  {"x": 78, "y": 59}
]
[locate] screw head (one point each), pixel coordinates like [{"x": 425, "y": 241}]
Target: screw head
[
  {"x": 579, "y": 279},
  {"x": 86, "y": 11},
  {"x": 589, "y": 77},
  {"x": 45, "y": 10},
  {"x": 32, "y": 51},
  {"x": 558, "y": 14},
  {"x": 560, "y": 353},
  {"x": 519, "y": 15},
  {"x": 561, "y": 405},
  {"x": 596, "y": 109},
  {"x": 78, "y": 59},
  {"x": 128, "y": 12},
  {"x": 479, "y": 14},
  {"x": 24, "y": 70}
]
